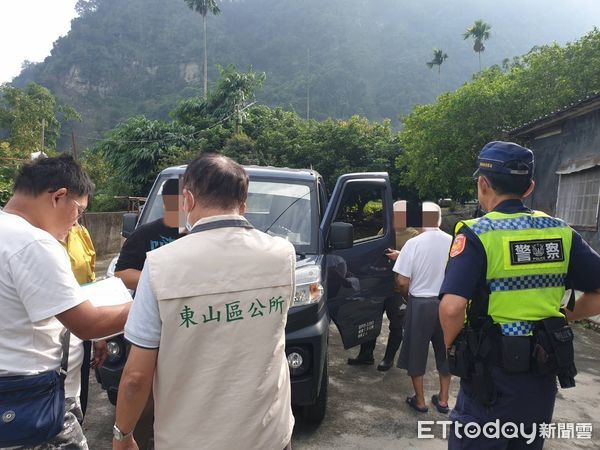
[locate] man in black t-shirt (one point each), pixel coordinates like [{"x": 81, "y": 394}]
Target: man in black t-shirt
[
  {"x": 145, "y": 238},
  {"x": 150, "y": 236}
]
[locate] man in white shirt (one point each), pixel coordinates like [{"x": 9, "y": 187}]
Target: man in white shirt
[
  {"x": 420, "y": 272},
  {"x": 39, "y": 295}
]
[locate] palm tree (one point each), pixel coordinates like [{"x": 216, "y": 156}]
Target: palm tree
[
  {"x": 438, "y": 59},
  {"x": 204, "y": 7},
  {"x": 480, "y": 31}
]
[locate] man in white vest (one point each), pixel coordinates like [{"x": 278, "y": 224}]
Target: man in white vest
[{"x": 208, "y": 326}]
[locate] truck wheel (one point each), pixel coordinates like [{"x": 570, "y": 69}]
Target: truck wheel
[{"x": 316, "y": 413}]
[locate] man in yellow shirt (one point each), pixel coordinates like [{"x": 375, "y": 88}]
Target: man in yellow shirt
[
  {"x": 82, "y": 256},
  {"x": 80, "y": 248}
]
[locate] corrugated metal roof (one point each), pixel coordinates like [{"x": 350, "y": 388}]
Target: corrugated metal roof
[{"x": 583, "y": 106}]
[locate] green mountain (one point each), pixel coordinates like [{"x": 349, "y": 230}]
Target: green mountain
[{"x": 367, "y": 57}]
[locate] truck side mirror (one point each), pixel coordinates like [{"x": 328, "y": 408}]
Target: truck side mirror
[
  {"x": 341, "y": 235},
  {"x": 129, "y": 222}
]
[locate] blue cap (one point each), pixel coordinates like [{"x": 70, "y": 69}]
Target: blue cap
[{"x": 505, "y": 157}]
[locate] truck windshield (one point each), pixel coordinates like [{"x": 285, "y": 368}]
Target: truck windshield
[
  {"x": 277, "y": 208},
  {"x": 282, "y": 209}
]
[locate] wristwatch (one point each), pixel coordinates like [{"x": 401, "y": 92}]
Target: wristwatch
[{"x": 118, "y": 434}]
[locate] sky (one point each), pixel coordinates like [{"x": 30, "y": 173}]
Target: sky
[{"x": 27, "y": 30}]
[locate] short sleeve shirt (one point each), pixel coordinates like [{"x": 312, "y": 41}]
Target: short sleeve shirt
[
  {"x": 145, "y": 238},
  {"x": 143, "y": 325},
  {"x": 36, "y": 284},
  {"x": 423, "y": 259},
  {"x": 467, "y": 269}
]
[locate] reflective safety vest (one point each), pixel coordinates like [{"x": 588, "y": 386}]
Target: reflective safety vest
[{"x": 527, "y": 262}]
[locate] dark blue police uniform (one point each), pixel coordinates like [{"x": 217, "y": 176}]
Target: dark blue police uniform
[{"x": 522, "y": 398}]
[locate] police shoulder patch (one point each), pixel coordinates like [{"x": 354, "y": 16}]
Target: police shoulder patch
[{"x": 458, "y": 245}]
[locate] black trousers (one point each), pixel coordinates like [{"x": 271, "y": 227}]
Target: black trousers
[
  {"x": 396, "y": 318},
  {"x": 525, "y": 399},
  {"x": 85, "y": 375}
]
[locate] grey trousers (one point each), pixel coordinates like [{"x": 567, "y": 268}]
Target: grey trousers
[{"x": 421, "y": 326}]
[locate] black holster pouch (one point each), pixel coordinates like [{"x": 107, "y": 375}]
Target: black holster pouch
[
  {"x": 460, "y": 359},
  {"x": 482, "y": 345},
  {"x": 553, "y": 351},
  {"x": 516, "y": 353},
  {"x": 470, "y": 357},
  {"x": 483, "y": 384}
]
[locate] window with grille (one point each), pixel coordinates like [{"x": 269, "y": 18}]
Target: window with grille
[{"x": 578, "y": 196}]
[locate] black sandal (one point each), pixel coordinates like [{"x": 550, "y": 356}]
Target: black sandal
[
  {"x": 412, "y": 402},
  {"x": 436, "y": 401}
]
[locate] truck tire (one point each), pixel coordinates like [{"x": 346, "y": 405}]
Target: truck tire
[{"x": 315, "y": 413}]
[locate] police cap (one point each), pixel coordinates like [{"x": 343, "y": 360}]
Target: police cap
[{"x": 505, "y": 157}]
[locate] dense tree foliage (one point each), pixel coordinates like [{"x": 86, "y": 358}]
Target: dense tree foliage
[
  {"x": 10, "y": 161},
  {"x": 441, "y": 140},
  {"x": 139, "y": 148},
  {"x": 233, "y": 92},
  {"x": 124, "y": 58},
  {"x": 433, "y": 154},
  {"x": 26, "y": 114},
  {"x": 136, "y": 148}
]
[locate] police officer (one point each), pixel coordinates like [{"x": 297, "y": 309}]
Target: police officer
[{"x": 510, "y": 267}]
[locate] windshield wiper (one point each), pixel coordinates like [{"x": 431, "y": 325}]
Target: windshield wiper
[{"x": 285, "y": 210}]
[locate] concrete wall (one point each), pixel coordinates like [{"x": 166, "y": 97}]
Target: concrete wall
[
  {"x": 578, "y": 141},
  {"x": 105, "y": 229}
]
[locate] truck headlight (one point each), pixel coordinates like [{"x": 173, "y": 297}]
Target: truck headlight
[
  {"x": 298, "y": 360},
  {"x": 308, "y": 285}
]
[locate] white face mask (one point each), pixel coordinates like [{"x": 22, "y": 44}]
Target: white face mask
[{"x": 188, "y": 225}]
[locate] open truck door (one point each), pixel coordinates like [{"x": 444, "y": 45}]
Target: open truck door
[{"x": 357, "y": 228}]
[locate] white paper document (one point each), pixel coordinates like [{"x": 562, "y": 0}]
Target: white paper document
[{"x": 108, "y": 292}]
